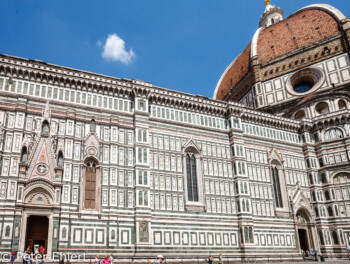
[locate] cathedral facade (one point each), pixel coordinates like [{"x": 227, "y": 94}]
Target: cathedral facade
[{"x": 96, "y": 164}]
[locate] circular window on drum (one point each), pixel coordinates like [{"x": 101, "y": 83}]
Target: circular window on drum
[{"x": 305, "y": 81}]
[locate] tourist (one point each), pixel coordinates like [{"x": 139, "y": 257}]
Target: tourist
[
  {"x": 29, "y": 259},
  {"x": 106, "y": 260},
  {"x": 36, "y": 251},
  {"x": 13, "y": 257},
  {"x": 97, "y": 260},
  {"x": 111, "y": 259},
  {"x": 315, "y": 255},
  {"x": 38, "y": 258},
  {"x": 159, "y": 259},
  {"x": 220, "y": 259},
  {"x": 210, "y": 260},
  {"x": 42, "y": 250}
]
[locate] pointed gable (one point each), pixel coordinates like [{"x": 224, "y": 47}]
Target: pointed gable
[
  {"x": 274, "y": 155},
  {"x": 92, "y": 145},
  {"x": 41, "y": 161},
  {"x": 192, "y": 146}
]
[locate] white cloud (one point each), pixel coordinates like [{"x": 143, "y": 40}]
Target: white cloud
[{"x": 114, "y": 50}]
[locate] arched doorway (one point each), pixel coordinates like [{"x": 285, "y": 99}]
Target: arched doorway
[
  {"x": 304, "y": 230},
  {"x": 37, "y": 232}
]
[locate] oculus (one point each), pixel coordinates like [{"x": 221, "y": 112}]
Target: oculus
[
  {"x": 42, "y": 169},
  {"x": 305, "y": 81}
]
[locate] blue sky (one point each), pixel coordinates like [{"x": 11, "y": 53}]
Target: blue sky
[{"x": 183, "y": 45}]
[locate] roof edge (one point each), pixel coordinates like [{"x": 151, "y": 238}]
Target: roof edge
[{"x": 333, "y": 11}]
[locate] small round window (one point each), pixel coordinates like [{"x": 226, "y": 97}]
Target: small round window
[
  {"x": 305, "y": 81},
  {"x": 303, "y": 86}
]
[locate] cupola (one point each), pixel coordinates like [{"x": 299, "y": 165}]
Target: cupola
[{"x": 271, "y": 16}]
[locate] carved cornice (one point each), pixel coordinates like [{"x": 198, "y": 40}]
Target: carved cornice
[{"x": 70, "y": 78}]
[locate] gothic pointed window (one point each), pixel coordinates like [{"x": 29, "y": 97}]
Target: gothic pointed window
[
  {"x": 139, "y": 135},
  {"x": 144, "y": 136},
  {"x": 90, "y": 185},
  {"x": 277, "y": 187},
  {"x": 246, "y": 235},
  {"x": 311, "y": 181},
  {"x": 140, "y": 177},
  {"x": 192, "y": 188},
  {"x": 140, "y": 198},
  {"x": 60, "y": 159},
  {"x": 145, "y": 178},
  {"x": 330, "y": 211},
  {"x": 145, "y": 198},
  {"x": 140, "y": 154},
  {"x": 7, "y": 231},
  {"x": 45, "y": 128},
  {"x": 143, "y": 232},
  {"x": 326, "y": 194},
  {"x": 64, "y": 232},
  {"x": 335, "y": 237},
  {"x": 24, "y": 154},
  {"x": 93, "y": 126},
  {"x": 251, "y": 240}
]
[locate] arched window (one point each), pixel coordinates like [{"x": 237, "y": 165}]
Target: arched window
[
  {"x": 341, "y": 104},
  {"x": 144, "y": 155},
  {"x": 144, "y": 136},
  {"x": 24, "y": 154},
  {"x": 93, "y": 126},
  {"x": 140, "y": 177},
  {"x": 113, "y": 234},
  {"x": 316, "y": 212},
  {"x": 192, "y": 188},
  {"x": 64, "y": 232},
  {"x": 311, "y": 180},
  {"x": 300, "y": 115},
  {"x": 7, "y": 231},
  {"x": 322, "y": 108},
  {"x": 60, "y": 159},
  {"x": 251, "y": 240},
  {"x": 45, "y": 128},
  {"x": 336, "y": 209},
  {"x": 145, "y": 199},
  {"x": 323, "y": 178},
  {"x": 313, "y": 196},
  {"x": 342, "y": 177},
  {"x": 326, "y": 194},
  {"x": 333, "y": 134},
  {"x": 320, "y": 234},
  {"x": 143, "y": 232},
  {"x": 90, "y": 185},
  {"x": 246, "y": 235},
  {"x": 277, "y": 187},
  {"x": 145, "y": 178},
  {"x": 247, "y": 206},
  {"x": 335, "y": 238},
  {"x": 140, "y": 154},
  {"x": 330, "y": 211},
  {"x": 140, "y": 198},
  {"x": 139, "y": 135},
  {"x": 272, "y": 21}
]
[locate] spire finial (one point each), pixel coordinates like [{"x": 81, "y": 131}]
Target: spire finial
[
  {"x": 47, "y": 112},
  {"x": 267, "y": 2}
]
